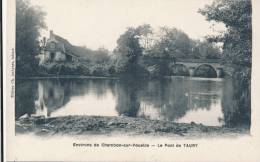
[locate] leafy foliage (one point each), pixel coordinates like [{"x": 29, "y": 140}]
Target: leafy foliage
[
  {"x": 140, "y": 50},
  {"x": 29, "y": 22},
  {"x": 236, "y": 15},
  {"x": 205, "y": 50},
  {"x": 76, "y": 68},
  {"x": 237, "y": 48},
  {"x": 173, "y": 44},
  {"x": 129, "y": 50}
]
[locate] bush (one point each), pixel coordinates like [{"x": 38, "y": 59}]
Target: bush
[
  {"x": 112, "y": 70},
  {"x": 78, "y": 69},
  {"x": 154, "y": 70},
  {"x": 99, "y": 71},
  {"x": 179, "y": 70}
]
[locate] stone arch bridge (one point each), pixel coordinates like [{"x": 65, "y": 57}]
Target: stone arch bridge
[{"x": 193, "y": 65}]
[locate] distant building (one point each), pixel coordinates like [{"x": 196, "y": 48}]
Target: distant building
[{"x": 58, "y": 49}]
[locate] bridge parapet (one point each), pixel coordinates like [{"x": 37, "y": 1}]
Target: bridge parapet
[
  {"x": 200, "y": 60},
  {"x": 193, "y": 65}
]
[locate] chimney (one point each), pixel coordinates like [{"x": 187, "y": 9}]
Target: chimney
[{"x": 51, "y": 34}]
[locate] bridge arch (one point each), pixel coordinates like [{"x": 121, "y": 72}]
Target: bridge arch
[
  {"x": 180, "y": 70},
  {"x": 205, "y": 70}
]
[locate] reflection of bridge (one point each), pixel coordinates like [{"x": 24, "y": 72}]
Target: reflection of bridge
[{"x": 193, "y": 65}]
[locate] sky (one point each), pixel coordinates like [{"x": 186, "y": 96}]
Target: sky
[{"x": 99, "y": 23}]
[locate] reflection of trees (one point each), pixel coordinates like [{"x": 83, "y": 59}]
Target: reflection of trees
[
  {"x": 205, "y": 86},
  {"x": 174, "y": 97},
  {"x": 235, "y": 113},
  {"x": 128, "y": 102},
  {"x": 98, "y": 87},
  {"x": 25, "y": 95},
  {"x": 169, "y": 96},
  {"x": 202, "y": 101},
  {"x": 55, "y": 93},
  {"x": 204, "y": 93}
]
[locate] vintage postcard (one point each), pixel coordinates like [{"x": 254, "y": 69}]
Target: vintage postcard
[{"x": 131, "y": 80}]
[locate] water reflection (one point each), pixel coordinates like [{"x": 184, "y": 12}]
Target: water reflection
[
  {"x": 173, "y": 99},
  {"x": 236, "y": 113}
]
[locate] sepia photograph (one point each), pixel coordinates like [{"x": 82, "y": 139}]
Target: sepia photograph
[
  {"x": 135, "y": 74},
  {"x": 174, "y": 69}
]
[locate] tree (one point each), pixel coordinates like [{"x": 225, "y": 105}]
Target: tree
[
  {"x": 237, "y": 47},
  {"x": 141, "y": 48},
  {"x": 205, "y": 50},
  {"x": 29, "y": 22},
  {"x": 171, "y": 44},
  {"x": 101, "y": 56},
  {"x": 236, "y": 15},
  {"x": 129, "y": 50}
]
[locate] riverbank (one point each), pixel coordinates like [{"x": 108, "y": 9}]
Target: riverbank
[
  {"x": 111, "y": 77},
  {"x": 69, "y": 77},
  {"x": 89, "y": 125}
]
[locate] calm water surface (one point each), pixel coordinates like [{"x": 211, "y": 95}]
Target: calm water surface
[{"x": 179, "y": 99}]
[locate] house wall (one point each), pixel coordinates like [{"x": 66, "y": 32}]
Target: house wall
[
  {"x": 46, "y": 56},
  {"x": 41, "y": 58},
  {"x": 55, "y": 52},
  {"x": 59, "y": 56},
  {"x": 74, "y": 59}
]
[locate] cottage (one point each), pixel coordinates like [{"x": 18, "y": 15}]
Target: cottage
[{"x": 57, "y": 49}]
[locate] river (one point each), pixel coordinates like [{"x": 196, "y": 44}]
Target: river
[{"x": 179, "y": 99}]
